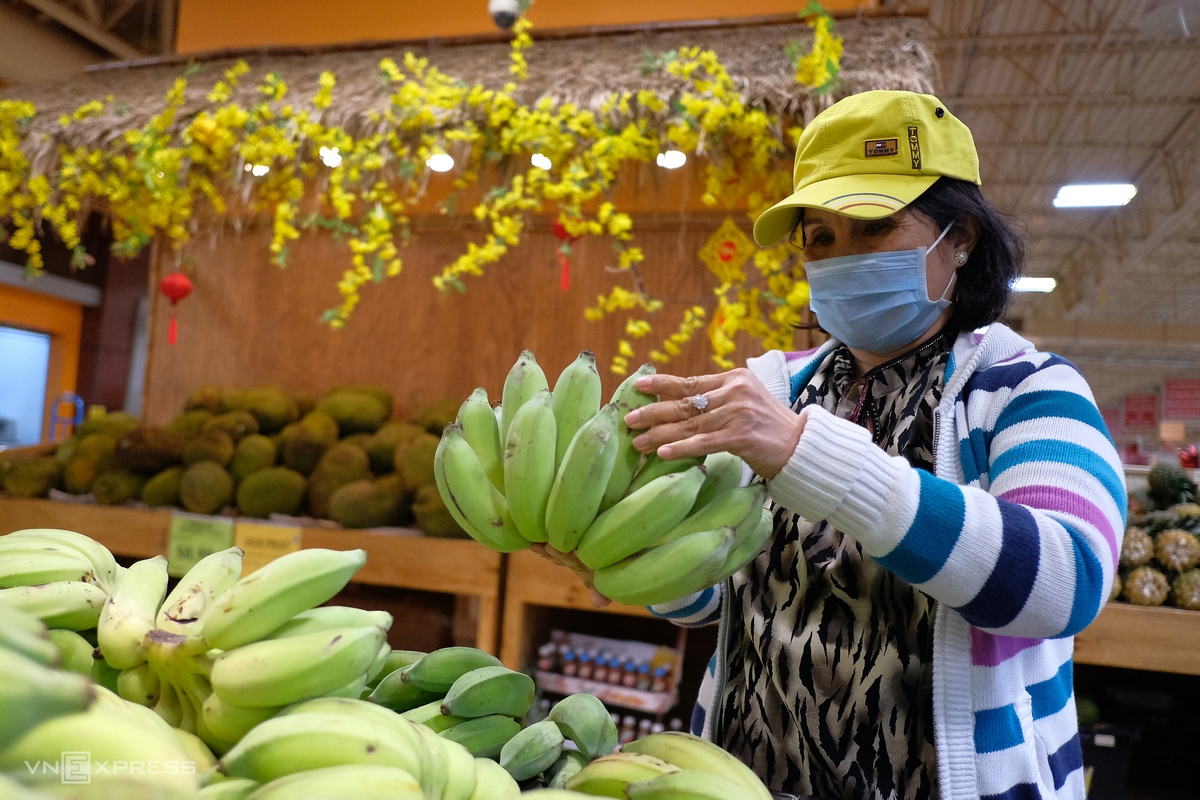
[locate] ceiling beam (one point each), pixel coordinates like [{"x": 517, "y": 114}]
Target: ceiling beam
[
  {"x": 119, "y": 11},
  {"x": 87, "y": 29}
]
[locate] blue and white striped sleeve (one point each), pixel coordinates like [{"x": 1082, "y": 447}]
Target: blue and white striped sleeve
[{"x": 693, "y": 611}]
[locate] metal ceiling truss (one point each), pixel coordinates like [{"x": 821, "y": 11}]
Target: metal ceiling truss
[{"x": 95, "y": 20}]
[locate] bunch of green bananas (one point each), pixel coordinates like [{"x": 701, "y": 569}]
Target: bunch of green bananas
[
  {"x": 61, "y": 577},
  {"x": 556, "y": 467}
]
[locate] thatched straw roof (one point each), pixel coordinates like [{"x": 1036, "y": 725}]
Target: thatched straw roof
[{"x": 888, "y": 53}]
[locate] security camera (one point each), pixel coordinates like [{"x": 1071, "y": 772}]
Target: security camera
[{"x": 504, "y": 12}]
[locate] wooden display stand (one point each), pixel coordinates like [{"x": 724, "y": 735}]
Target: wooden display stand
[
  {"x": 1137, "y": 637},
  {"x": 451, "y": 566}
]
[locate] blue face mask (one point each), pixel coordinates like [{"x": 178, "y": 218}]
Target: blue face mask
[{"x": 875, "y": 301}]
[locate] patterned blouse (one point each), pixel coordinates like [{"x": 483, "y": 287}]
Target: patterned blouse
[{"x": 829, "y": 689}]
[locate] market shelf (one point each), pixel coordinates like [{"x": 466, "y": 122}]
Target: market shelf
[
  {"x": 1139, "y": 637},
  {"x": 403, "y": 558}
]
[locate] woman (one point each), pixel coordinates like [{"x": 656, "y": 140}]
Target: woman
[{"x": 948, "y": 503}]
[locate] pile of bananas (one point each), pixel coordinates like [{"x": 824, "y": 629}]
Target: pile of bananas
[{"x": 557, "y": 467}]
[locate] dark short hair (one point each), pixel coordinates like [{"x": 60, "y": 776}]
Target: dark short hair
[{"x": 984, "y": 286}]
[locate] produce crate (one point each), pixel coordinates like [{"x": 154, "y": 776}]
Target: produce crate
[
  {"x": 1106, "y": 754},
  {"x": 1139, "y": 637}
]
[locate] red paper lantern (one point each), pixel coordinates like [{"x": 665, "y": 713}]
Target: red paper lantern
[
  {"x": 564, "y": 260},
  {"x": 175, "y": 286}
]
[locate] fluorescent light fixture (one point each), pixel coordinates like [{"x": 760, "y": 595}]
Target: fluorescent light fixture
[
  {"x": 331, "y": 157},
  {"x": 672, "y": 159},
  {"x": 258, "y": 170},
  {"x": 540, "y": 161},
  {"x": 1090, "y": 195},
  {"x": 440, "y": 162},
  {"x": 1028, "y": 284}
]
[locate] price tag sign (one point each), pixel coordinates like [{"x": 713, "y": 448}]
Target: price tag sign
[
  {"x": 194, "y": 536},
  {"x": 1181, "y": 400},
  {"x": 1140, "y": 411},
  {"x": 264, "y": 543}
]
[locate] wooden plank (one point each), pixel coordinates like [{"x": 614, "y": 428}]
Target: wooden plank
[
  {"x": 132, "y": 532},
  {"x": 1136, "y": 637}
]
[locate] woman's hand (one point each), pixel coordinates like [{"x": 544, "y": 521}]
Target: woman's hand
[
  {"x": 572, "y": 563},
  {"x": 742, "y": 417}
]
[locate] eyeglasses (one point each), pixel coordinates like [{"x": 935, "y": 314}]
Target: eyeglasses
[{"x": 792, "y": 236}]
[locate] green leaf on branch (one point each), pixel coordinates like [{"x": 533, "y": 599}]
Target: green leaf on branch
[{"x": 377, "y": 270}]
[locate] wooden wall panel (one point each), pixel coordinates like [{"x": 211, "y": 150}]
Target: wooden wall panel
[{"x": 248, "y": 322}]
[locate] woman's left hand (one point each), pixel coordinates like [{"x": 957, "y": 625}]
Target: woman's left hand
[{"x": 742, "y": 417}]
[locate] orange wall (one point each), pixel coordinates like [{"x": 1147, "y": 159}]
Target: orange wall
[
  {"x": 61, "y": 319},
  {"x": 215, "y": 24}
]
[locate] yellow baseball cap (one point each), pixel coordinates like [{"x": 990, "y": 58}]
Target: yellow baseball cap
[{"x": 869, "y": 155}]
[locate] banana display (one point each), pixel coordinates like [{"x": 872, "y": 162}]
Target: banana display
[{"x": 559, "y": 467}]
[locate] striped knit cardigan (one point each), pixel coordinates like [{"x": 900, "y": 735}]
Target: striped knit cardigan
[{"x": 1016, "y": 537}]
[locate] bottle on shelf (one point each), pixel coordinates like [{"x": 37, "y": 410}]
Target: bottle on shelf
[
  {"x": 643, "y": 677},
  {"x": 539, "y": 712},
  {"x": 615, "y": 670},
  {"x": 628, "y": 730},
  {"x": 584, "y": 670},
  {"x": 569, "y": 667},
  {"x": 660, "y": 682},
  {"x": 629, "y": 675},
  {"x": 676, "y": 724},
  {"x": 546, "y": 657},
  {"x": 600, "y": 669},
  {"x": 644, "y": 728},
  {"x": 657, "y": 727}
]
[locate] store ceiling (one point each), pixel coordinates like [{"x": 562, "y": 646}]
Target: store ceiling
[{"x": 1074, "y": 91}]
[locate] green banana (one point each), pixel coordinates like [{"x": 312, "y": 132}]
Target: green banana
[
  {"x": 492, "y": 782},
  {"x": 490, "y": 690},
  {"x": 73, "y": 605},
  {"x": 310, "y": 741},
  {"x": 34, "y": 643},
  {"x": 524, "y": 380},
  {"x": 734, "y": 507},
  {"x": 582, "y": 477},
  {"x": 360, "y": 781},
  {"x": 576, "y": 400},
  {"x": 483, "y": 736},
  {"x": 262, "y": 601},
  {"x": 35, "y": 568},
  {"x": 129, "y": 613},
  {"x": 232, "y": 789},
  {"x": 104, "y": 675},
  {"x": 11, "y": 790},
  {"x": 281, "y": 671},
  {"x": 139, "y": 685},
  {"x": 627, "y": 398},
  {"x": 326, "y": 618},
  {"x": 435, "y": 766},
  {"x": 693, "y": 753},
  {"x": 106, "y": 566},
  {"x": 532, "y": 750},
  {"x": 30, "y": 694},
  {"x": 439, "y": 670},
  {"x": 674, "y": 570},
  {"x": 431, "y": 716},
  {"x": 529, "y": 465},
  {"x": 229, "y": 722},
  {"x": 724, "y": 473},
  {"x": 640, "y": 519},
  {"x": 561, "y": 771},
  {"x": 476, "y": 505},
  {"x": 196, "y": 749},
  {"x": 396, "y": 660},
  {"x": 377, "y": 666},
  {"x": 169, "y": 705},
  {"x": 397, "y": 695},
  {"x": 584, "y": 720},
  {"x": 15, "y": 619},
  {"x": 208, "y": 578},
  {"x": 655, "y": 466},
  {"x": 76, "y": 654},
  {"x": 482, "y": 431},
  {"x": 350, "y": 691},
  {"x": 460, "y": 771},
  {"x": 688, "y": 784},
  {"x": 609, "y": 775}
]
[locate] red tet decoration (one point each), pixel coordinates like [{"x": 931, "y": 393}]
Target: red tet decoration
[
  {"x": 564, "y": 249},
  {"x": 1189, "y": 457},
  {"x": 175, "y": 286}
]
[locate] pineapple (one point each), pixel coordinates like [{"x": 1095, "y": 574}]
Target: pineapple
[
  {"x": 1169, "y": 485},
  {"x": 1146, "y": 586},
  {"x": 1185, "y": 592},
  {"x": 1137, "y": 548},
  {"x": 1177, "y": 550}
]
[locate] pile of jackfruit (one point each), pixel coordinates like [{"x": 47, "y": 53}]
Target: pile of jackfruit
[{"x": 258, "y": 452}]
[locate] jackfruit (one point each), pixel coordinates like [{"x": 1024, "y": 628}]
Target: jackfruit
[
  {"x": 163, "y": 488},
  {"x": 355, "y": 411},
  {"x": 272, "y": 409},
  {"x": 236, "y": 423},
  {"x": 1168, "y": 484},
  {"x": 253, "y": 453},
  {"x": 305, "y": 403},
  {"x": 304, "y": 442},
  {"x": 414, "y": 461},
  {"x": 206, "y": 397},
  {"x": 114, "y": 424},
  {"x": 94, "y": 455},
  {"x": 378, "y": 392},
  {"x": 33, "y": 477},
  {"x": 231, "y": 399},
  {"x": 116, "y": 487},
  {"x": 369, "y": 503},
  {"x": 382, "y": 447},
  {"x": 343, "y": 463},
  {"x": 274, "y": 490},
  {"x": 66, "y": 449},
  {"x": 359, "y": 440},
  {"x": 205, "y": 488},
  {"x": 149, "y": 450},
  {"x": 79, "y": 474},
  {"x": 432, "y": 516},
  {"x": 215, "y": 445},
  {"x": 435, "y": 416},
  {"x": 190, "y": 424}
]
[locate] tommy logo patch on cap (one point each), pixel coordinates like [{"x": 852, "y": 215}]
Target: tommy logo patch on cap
[
  {"x": 914, "y": 146},
  {"x": 874, "y": 148}
]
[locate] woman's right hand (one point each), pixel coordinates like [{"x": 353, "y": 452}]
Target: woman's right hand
[{"x": 572, "y": 563}]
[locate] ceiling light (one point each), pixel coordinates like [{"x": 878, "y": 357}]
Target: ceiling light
[
  {"x": 1028, "y": 284},
  {"x": 440, "y": 162},
  {"x": 258, "y": 170},
  {"x": 331, "y": 157},
  {"x": 1171, "y": 18},
  {"x": 540, "y": 161},
  {"x": 672, "y": 159},
  {"x": 1090, "y": 195}
]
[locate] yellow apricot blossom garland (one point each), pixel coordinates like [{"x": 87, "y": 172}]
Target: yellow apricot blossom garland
[{"x": 304, "y": 174}]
